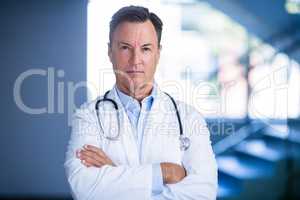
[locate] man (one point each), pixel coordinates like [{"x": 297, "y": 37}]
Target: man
[{"x": 145, "y": 161}]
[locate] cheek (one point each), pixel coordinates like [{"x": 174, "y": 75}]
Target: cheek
[
  {"x": 150, "y": 59},
  {"x": 120, "y": 61},
  {"x": 150, "y": 67}
]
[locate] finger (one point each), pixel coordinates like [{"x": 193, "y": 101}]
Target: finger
[
  {"x": 95, "y": 149},
  {"x": 92, "y": 155},
  {"x": 92, "y": 158},
  {"x": 100, "y": 153},
  {"x": 102, "y": 160},
  {"x": 87, "y": 161},
  {"x": 83, "y": 159}
]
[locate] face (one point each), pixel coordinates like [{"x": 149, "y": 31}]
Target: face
[{"x": 134, "y": 54}]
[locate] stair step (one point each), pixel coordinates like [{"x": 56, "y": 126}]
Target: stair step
[
  {"x": 294, "y": 135},
  {"x": 284, "y": 133},
  {"x": 244, "y": 168},
  {"x": 288, "y": 144},
  {"x": 225, "y": 190},
  {"x": 228, "y": 187},
  {"x": 259, "y": 148}
]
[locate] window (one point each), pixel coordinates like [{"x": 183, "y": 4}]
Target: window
[{"x": 203, "y": 62}]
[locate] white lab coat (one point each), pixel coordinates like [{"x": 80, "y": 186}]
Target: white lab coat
[{"x": 132, "y": 177}]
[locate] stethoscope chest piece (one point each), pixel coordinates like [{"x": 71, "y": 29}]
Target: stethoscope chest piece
[{"x": 184, "y": 143}]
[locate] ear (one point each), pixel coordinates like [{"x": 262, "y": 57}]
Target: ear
[
  {"x": 109, "y": 51},
  {"x": 159, "y": 49},
  {"x": 158, "y": 56}
]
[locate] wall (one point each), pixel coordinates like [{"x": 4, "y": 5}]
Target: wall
[{"x": 48, "y": 35}]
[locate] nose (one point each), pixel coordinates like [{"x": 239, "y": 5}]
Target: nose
[{"x": 136, "y": 57}]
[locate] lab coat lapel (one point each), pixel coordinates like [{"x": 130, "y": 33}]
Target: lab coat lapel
[
  {"x": 156, "y": 118},
  {"x": 126, "y": 132}
]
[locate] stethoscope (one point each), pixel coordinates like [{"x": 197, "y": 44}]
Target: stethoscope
[{"x": 184, "y": 141}]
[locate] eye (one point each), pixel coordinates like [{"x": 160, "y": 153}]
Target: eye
[
  {"x": 146, "y": 49},
  {"x": 124, "y": 47}
]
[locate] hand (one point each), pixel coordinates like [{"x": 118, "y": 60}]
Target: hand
[
  {"x": 92, "y": 156},
  {"x": 172, "y": 173}
]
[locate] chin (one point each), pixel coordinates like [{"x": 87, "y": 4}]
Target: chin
[{"x": 140, "y": 82}]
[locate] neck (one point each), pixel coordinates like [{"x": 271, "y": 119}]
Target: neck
[{"x": 138, "y": 93}]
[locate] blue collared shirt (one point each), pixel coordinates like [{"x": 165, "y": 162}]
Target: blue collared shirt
[{"x": 137, "y": 114}]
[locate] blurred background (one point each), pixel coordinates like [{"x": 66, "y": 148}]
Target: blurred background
[{"x": 237, "y": 62}]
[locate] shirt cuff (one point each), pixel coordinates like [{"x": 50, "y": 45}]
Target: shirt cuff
[{"x": 157, "y": 179}]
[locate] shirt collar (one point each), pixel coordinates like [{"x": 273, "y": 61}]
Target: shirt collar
[{"x": 132, "y": 104}]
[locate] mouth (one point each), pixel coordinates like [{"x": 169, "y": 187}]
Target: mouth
[{"x": 134, "y": 72}]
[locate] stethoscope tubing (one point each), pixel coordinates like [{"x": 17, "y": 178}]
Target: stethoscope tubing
[{"x": 185, "y": 142}]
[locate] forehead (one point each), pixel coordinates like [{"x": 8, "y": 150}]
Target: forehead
[{"x": 135, "y": 32}]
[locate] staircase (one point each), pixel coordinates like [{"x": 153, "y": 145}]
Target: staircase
[{"x": 264, "y": 166}]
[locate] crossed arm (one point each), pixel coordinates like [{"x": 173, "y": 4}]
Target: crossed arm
[
  {"x": 92, "y": 174},
  {"x": 92, "y": 156}
]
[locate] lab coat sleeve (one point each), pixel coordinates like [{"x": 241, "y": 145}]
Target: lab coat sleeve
[
  {"x": 157, "y": 179},
  {"x": 105, "y": 183},
  {"x": 200, "y": 164}
]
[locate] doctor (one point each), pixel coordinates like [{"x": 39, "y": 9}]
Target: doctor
[{"x": 134, "y": 152}]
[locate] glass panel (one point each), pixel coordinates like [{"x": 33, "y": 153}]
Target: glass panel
[{"x": 204, "y": 62}]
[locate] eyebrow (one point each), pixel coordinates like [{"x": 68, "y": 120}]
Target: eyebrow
[
  {"x": 148, "y": 44},
  {"x": 144, "y": 45}
]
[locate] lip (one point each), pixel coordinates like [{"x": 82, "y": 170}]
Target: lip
[{"x": 134, "y": 72}]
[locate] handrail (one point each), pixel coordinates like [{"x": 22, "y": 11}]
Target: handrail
[{"x": 237, "y": 137}]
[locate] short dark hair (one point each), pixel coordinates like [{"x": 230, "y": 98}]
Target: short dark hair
[{"x": 135, "y": 14}]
